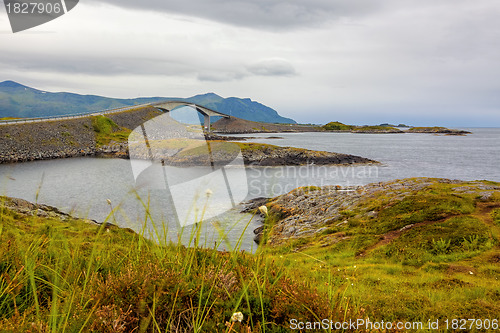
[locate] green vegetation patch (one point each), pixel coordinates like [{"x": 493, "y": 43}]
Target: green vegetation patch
[
  {"x": 107, "y": 130},
  {"x": 377, "y": 129},
  {"x": 337, "y": 126},
  {"x": 104, "y": 125},
  {"x": 451, "y": 240},
  {"x": 495, "y": 214},
  {"x": 420, "y": 207},
  {"x": 433, "y": 129}
]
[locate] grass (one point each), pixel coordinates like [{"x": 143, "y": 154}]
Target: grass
[
  {"x": 70, "y": 276},
  {"x": 107, "y": 131},
  {"x": 495, "y": 214},
  {"x": 75, "y": 277}
]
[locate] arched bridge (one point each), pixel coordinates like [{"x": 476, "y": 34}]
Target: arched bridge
[
  {"x": 206, "y": 112},
  {"x": 166, "y": 106}
]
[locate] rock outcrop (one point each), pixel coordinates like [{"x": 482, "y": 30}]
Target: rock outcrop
[
  {"x": 314, "y": 211},
  {"x": 26, "y": 208}
]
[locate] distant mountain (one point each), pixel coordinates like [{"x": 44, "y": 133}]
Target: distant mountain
[
  {"x": 17, "y": 100},
  {"x": 243, "y": 108}
]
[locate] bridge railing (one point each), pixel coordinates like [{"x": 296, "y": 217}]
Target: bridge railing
[{"x": 70, "y": 116}]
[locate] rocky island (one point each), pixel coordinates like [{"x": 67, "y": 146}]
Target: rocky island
[
  {"x": 336, "y": 126},
  {"x": 437, "y": 130}
]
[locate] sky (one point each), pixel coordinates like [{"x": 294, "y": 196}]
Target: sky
[{"x": 420, "y": 62}]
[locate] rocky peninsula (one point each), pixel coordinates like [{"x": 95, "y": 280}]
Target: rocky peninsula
[{"x": 379, "y": 213}]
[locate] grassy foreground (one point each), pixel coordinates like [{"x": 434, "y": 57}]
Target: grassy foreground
[
  {"x": 72, "y": 276},
  {"x": 60, "y": 276}
]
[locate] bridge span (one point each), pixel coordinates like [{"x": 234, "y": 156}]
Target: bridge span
[
  {"x": 165, "y": 106},
  {"x": 206, "y": 112}
]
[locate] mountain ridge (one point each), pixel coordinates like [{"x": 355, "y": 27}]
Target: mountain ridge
[{"x": 21, "y": 101}]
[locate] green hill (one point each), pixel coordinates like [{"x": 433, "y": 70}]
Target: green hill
[{"x": 20, "y": 101}]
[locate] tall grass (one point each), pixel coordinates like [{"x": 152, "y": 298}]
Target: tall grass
[{"x": 61, "y": 276}]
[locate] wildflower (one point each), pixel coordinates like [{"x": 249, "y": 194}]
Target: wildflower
[
  {"x": 471, "y": 273},
  {"x": 208, "y": 192},
  {"x": 263, "y": 210},
  {"x": 237, "y": 316},
  {"x": 108, "y": 201}
]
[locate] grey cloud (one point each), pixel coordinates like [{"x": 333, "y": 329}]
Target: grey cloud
[
  {"x": 267, "y": 67},
  {"x": 214, "y": 76},
  {"x": 272, "y": 67},
  {"x": 86, "y": 64},
  {"x": 264, "y": 14}
]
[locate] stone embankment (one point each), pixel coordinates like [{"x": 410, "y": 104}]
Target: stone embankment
[{"x": 63, "y": 138}]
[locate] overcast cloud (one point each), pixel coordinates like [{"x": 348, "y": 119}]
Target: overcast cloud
[
  {"x": 420, "y": 62},
  {"x": 259, "y": 14}
]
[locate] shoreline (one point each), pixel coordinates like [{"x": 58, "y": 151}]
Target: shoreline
[{"x": 253, "y": 154}]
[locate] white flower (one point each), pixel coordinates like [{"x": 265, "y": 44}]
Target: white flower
[
  {"x": 108, "y": 201},
  {"x": 263, "y": 210},
  {"x": 208, "y": 192},
  {"x": 237, "y": 316}
]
